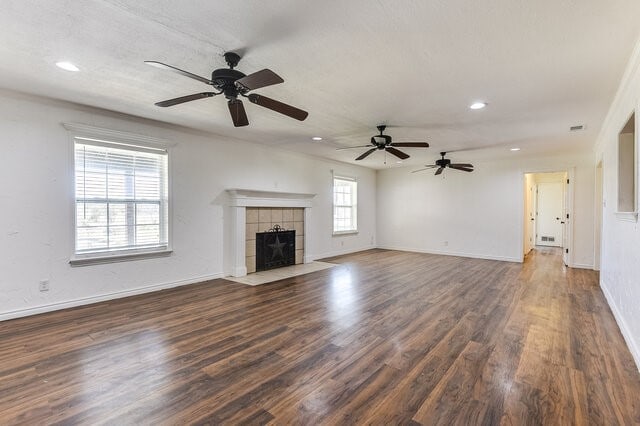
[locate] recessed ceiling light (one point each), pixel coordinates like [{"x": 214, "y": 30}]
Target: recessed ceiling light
[
  {"x": 515, "y": 149},
  {"x": 399, "y": 162},
  {"x": 67, "y": 66},
  {"x": 478, "y": 105},
  {"x": 316, "y": 138}
]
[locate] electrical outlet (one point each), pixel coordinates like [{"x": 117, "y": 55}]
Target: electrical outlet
[
  {"x": 44, "y": 285},
  {"x": 446, "y": 243},
  {"x": 341, "y": 243}
]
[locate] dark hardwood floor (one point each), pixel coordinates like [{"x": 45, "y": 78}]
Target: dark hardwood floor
[{"x": 386, "y": 338}]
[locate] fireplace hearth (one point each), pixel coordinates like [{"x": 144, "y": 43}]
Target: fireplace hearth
[{"x": 275, "y": 248}]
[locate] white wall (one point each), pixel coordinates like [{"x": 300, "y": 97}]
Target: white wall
[
  {"x": 620, "y": 249},
  {"x": 478, "y": 214},
  {"x": 36, "y": 208}
]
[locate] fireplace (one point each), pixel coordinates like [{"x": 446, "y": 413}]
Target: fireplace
[
  {"x": 275, "y": 248},
  {"x": 254, "y": 211}
]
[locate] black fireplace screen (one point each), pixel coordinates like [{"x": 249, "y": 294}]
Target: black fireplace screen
[{"x": 275, "y": 248}]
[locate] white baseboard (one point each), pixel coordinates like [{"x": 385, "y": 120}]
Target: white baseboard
[
  {"x": 103, "y": 297},
  {"x": 451, "y": 253},
  {"x": 624, "y": 329},
  {"x": 339, "y": 253},
  {"x": 582, "y": 266}
]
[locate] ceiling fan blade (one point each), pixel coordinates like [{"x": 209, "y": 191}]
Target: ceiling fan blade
[
  {"x": 366, "y": 154},
  {"x": 440, "y": 170},
  {"x": 353, "y": 147},
  {"x": 259, "y": 79},
  {"x": 411, "y": 144},
  {"x": 464, "y": 169},
  {"x": 461, "y": 165},
  {"x": 183, "y": 99},
  {"x": 238, "y": 114},
  {"x": 401, "y": 155},
  {"x": 278, "y": 106},
  {"x": 423, "y": 169},
  {"x": 179, "y": 71}
]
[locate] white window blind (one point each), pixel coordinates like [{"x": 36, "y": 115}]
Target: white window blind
[
  {"x": 345, "y": 202},
  {"x": 121, "y": 197}
]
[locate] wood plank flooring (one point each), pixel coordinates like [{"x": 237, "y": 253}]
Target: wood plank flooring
[{"x": 385, "y": 338}]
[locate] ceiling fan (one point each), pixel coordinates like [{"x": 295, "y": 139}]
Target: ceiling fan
[
  {"x": 443, "y": 163},
  {"x": 385, "y": 142},
  {"x": 232, "y": 83}
]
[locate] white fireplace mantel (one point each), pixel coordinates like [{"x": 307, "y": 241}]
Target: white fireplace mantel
[{"x": 240, "y": 199}]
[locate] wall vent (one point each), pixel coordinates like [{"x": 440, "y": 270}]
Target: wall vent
[
  {"x": 576, "y": 128},
  {"x": 550, "y": 239}
]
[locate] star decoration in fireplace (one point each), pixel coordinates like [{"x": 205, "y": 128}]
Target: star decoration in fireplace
[{"x": 277, "y": 249}]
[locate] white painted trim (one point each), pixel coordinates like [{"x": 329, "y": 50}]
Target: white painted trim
[
  {"x": 314, "y": 257},
  {"x": 457, "y": 254},
  {"x": 256, "y": 198},
  {"x": 119, "y": 256},
  {"x": 18, "y": 313},
  {"x": 622, "y": 325},
  {"x": 582, "y": 265},
  {"x": 110, "y": 135}
]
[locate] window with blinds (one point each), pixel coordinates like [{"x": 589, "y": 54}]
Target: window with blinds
[
  {"x": 345, "y": 201},
  {"x": 121, "y": 198}
]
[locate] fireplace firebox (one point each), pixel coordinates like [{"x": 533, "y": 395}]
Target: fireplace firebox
[{"x": 275, "y": 248}]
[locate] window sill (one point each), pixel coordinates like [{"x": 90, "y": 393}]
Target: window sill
[
  {"x": 627, "y": 216},
  {"x": 338, "y": 233},
  {"x": 93, "y": 259}
]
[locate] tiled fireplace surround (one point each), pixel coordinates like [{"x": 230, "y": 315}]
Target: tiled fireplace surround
[
  {"x": 254, "y": 211},
  {"x": 261, "y": 219}
]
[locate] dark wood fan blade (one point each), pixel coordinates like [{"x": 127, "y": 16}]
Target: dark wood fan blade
[
  {"x": 183, "y": 99},
  {"x": 464, "y": 169},
  {"x": 366, "y": 154},
  {"x": 401, "y": 155},
  {"x": 178, "y": 70},
  {"x": 278, "y": 106},
  {"x": 440, "y": 170},
  {"x": 411, "y": 144},
  {"x": 259, "y": 79},
  {"x": 353, "y": 147},
  {"x": 461, "y": 165},
  {"x": 423, "y": 169},
  {"x": 238, "y": 114}
]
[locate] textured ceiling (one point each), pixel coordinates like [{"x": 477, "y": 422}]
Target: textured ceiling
[{"x": 541, "y": 65}]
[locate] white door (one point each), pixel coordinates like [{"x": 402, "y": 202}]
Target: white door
[{"x": 549, "y": 214}]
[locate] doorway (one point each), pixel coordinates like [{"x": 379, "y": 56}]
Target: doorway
[{"x": 547, "y": 212}]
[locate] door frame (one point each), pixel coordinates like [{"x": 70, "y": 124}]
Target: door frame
[
  {"x": 571, "y": 175},
  {"x": 599, "y": 213}
]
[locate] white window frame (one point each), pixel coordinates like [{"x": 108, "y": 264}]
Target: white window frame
[
  {"x": 630, "y": 216},
  {"x": 114, "y": 138},
  {"x": 353, "y": 206}
]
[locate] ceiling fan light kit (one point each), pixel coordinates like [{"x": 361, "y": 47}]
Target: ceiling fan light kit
[{"x": 232, "y": 83}]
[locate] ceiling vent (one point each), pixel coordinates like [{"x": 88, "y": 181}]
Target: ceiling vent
[{"x": 576, "y": 128}]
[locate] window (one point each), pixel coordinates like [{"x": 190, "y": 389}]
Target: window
[
  {"x": 121, "y": 199},
  {"x": 345, "y": 202},
  {"x": 627, "y": 169}
]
